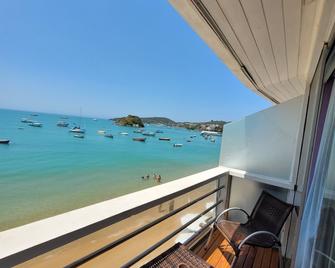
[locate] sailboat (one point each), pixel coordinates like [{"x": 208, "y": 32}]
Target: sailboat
[{"x": 78, "y": 129}]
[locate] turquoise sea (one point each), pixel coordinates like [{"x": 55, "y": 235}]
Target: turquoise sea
[{"x": 46, "y": 171}]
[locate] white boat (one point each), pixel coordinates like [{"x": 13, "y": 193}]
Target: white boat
[
  {"x": 101, "y": 132},
  {"x": 26, "y": 120},
  {"x": 35, "y": 124},
  {"x": 212, "y": 133},
  {"x": 80, "y": 136},
  {"x": 62, "y": 124},
  {"x": 77, "y": 130},
  {"x": 124, "y": 133},
  {"x": 150, "y": 134},
  {"x": 178, "y": 145}
]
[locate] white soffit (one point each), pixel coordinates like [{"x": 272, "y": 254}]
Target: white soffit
[{"x": 272, "y": 46}]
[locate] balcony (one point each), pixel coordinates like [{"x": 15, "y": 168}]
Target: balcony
[
  {"x": 133, "y": 229},
  {"x": 129, "y": 230}
]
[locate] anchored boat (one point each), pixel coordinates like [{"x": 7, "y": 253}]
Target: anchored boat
[
  {"x": 101, "y": 132},
  {"x": 178, "y": 145},
  {"x": 26, "y": 120},
  {"x": 62, "y": 124},
  {"x": 77, "y": 130},
  {"x": 35, "y": 124},
  {"x": 150, "y": 134},
  {"x": 4, "y": 141},
  {"x": 139, "y": 139},
  {"x": 164, "y": 139},
  {"x": 108, "y": 136},
  {"x": 80, "y": 136}
]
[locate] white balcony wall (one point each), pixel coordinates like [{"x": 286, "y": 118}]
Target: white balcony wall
[{"x": 264, "y": 143}]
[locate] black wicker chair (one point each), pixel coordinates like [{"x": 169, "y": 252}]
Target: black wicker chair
[{"x": 262, "y": 227}]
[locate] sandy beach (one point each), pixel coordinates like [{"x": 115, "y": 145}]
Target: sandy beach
[{"x": 124, "y": 252}]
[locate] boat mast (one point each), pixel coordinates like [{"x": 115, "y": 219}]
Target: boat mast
[{"x": 80, "y": 118}]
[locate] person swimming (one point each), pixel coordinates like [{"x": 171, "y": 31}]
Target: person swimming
[{"x": 157, "y": 178}]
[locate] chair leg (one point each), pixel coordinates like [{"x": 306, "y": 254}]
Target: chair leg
[
  {"x": 209, "y": 238},
  {"x": 233, "y": 262}
]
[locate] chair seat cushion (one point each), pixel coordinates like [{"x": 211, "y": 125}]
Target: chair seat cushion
[{"x": 235, "y": 232}]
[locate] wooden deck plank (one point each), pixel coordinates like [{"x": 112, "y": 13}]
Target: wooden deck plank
[
  {"x": 216, "y": 242},
  {"x": 274, "y": 259},
  {"x": 220, "y": 255},
  {"x": 227, "y": 254},
  {"x": 202, "y": 252},
  {"x": 266, "y": 258},
  {"x": 250, "y": 258},
  {"x": 215, "y": 258},
  {"x": 258, "y": 257},
  {"x": 243, "y": 255}
]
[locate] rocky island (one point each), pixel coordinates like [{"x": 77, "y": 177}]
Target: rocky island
[{"x": 129, "y": 121}]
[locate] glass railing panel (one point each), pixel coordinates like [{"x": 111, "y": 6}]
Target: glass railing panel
[
  {"x": 117, "y": 256},
  {"x": 266, "y": 142}
]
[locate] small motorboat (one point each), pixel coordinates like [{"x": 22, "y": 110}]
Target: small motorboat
[
  {"x": 139, "y": 139},
  {"x": 164, "y": 139},
  {"x": 62, "y": 124},
  {"x": 4, "y": 141},
  {"x": 109, "y": 136},
  {"x": 35, "y": 124},
  {"x": 189, "y": 141},
  {"x": 159, "y": 131},
  {"x": 212, "y": 140},
  {"x": 149, "y": 134},
  {"x": 79, "y": 136},
  {"x": 124, "y": 133},
  {"x": 101, "y": 132},
  {"x": 26, "y": 120},
  {"x": 193, "y": 136},
  {"x": 178, "y": 145},
  {"x": 138, "y": 131},
  {"x": 77, "y": 130}
]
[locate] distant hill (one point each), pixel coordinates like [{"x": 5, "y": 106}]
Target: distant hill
[
  {"x": 158, "y": 120},
  {"x": 131, "y": 120}
]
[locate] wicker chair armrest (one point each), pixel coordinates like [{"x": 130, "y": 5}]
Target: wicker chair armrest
[
  {"x": 230, "y": 209},
  {"x": 258, "y": 233}
]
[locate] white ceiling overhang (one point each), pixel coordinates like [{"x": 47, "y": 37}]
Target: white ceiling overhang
[{"x": 272, "y": 46}]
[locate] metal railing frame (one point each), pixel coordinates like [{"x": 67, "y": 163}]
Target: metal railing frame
[{"x": 140, "y": 230}]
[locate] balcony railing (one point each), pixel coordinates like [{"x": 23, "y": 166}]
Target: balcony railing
[{"x": 126, "y": 230}]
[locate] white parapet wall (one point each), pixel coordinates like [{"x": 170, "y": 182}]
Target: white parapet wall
[{"x": 265, "y": 143}]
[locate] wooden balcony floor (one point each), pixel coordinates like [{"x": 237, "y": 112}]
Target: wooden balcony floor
[{"x": 220, "y": 255}]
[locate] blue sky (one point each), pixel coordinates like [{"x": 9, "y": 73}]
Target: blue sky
[{"x": 113, "y": 58}]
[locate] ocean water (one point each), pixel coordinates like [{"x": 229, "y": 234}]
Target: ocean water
[{"x": 46, "y": 171}]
